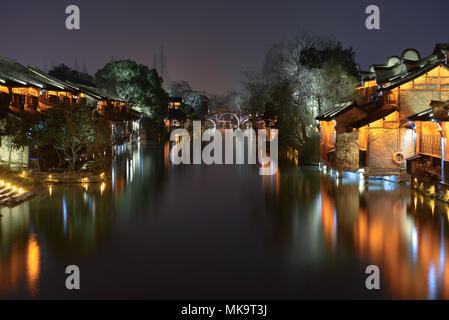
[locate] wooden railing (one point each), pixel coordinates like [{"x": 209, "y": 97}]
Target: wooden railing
[
  {"x": 32, "y": 102},
  {"x": 18, "y": 100}
]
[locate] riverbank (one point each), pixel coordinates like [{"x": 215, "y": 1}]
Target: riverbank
[
  {"x": 27, "y": 179},
  {"x": 67, "y": 177},
  {"x": 430, "y": 186},
  {"x": 19, "y": 179},
  {"x": 17, "y": 187}
]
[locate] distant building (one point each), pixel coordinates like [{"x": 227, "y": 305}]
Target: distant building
[
  {"x": 174, "y": 103},
  {"x": 175, "y": 117}
]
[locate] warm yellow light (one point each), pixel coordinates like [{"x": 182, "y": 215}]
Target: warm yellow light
[
  {"x": 8, "y": 186},
  {"x": 432, "y": 190},
  {"x": 50, "y": 190},
  {"x": 2, "y": 182},
  {"x": 33, "y": 264},
  {"x": 21, "y": 190},
  {"x": 14, "y": 188}
]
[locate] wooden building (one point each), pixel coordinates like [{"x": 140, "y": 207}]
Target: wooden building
[
  {"x": 29, "y": 92},
  {"x": 124, "y": 120},
  {"x": 431, "y": 130},
  {"x": 26, "y": 93},
  {"x": 372, "y": 133},
  {"x": 174, "y": 103}
]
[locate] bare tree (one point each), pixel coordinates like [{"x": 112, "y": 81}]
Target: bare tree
[{"x": 301, "y": 78}]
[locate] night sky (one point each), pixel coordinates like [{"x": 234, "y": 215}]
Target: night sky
[{"x": 209, "y": 42}]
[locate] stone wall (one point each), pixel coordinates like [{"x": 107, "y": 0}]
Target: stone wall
[
  {"x": 414, "y": 101},
  {"x": 67, "y": 177},
  {"x": 347, "y": 151},
  {"x": 407, "y": 142},
  {"x": 345, "y": 119},
  {"x": 382, "y": 144},
  {"x": 429, "y": 187}
]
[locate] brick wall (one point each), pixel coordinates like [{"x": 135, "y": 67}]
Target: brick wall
[
  {"x": 414, "y": 101},
  {"x": 347, "y": 151},
  {"x": 347, "y": 118},
  {"x": 382, "y": 144}
]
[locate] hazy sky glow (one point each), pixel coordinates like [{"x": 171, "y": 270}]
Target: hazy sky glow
[{"x": 209, "y": 42}]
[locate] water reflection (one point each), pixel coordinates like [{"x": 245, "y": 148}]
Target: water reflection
[
  {"x": 20, "y": 258},
  {"x": 407, "y": 241},
  {"x": 300, "y": 233},
  {"x": 33, "y": 264},
  {"x": 381, "y": 223},
  {"x": 68, "y": 222}
]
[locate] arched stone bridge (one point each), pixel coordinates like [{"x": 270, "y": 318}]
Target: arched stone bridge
[{"x": 216, "y": 117}]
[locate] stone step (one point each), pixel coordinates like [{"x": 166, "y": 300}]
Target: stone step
[
  {"x": 15, "y": 198},
  {"x": 4, "y": 190},
  {"x": 8, "y": 195}
]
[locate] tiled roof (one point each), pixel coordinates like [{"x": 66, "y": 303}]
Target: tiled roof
[
  {"x": 99, "y": 93},
  {"x": 411, "y": 71},
  {"x": 425, "y": 115},
  {"x": 16, "y": 74},
  {"x": 336, "y": 110},
  {"x": 61, "y": 85},
  {"x": 409, "y": 66},
  {"x": 374, "y": 115}
]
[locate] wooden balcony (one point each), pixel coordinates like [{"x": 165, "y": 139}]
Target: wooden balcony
[
  {"x": 18, "y": 101},
  {"x": 48, "y": 102},
  {"x": 32, "y": 102}
]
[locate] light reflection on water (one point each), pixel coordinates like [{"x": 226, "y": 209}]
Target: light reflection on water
[
  {"x": 170, "y": 231},
  {"x": 405, "y": 237}
]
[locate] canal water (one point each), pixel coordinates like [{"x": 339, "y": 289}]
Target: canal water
[{"x": 160, "y": 231}]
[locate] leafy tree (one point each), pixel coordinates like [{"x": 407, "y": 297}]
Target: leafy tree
[
  {"x": 195, "y": 99},
  {"x": 137, "y": 84},
  {"x": 65, "y": 73},
  {"x": 189, "y": 112},
  {"x": 72, "y": 129},
  {"x": 177, "y": 114},
  {"x": 234, "y": 101},
  {"x": 198, "y": 101}
]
